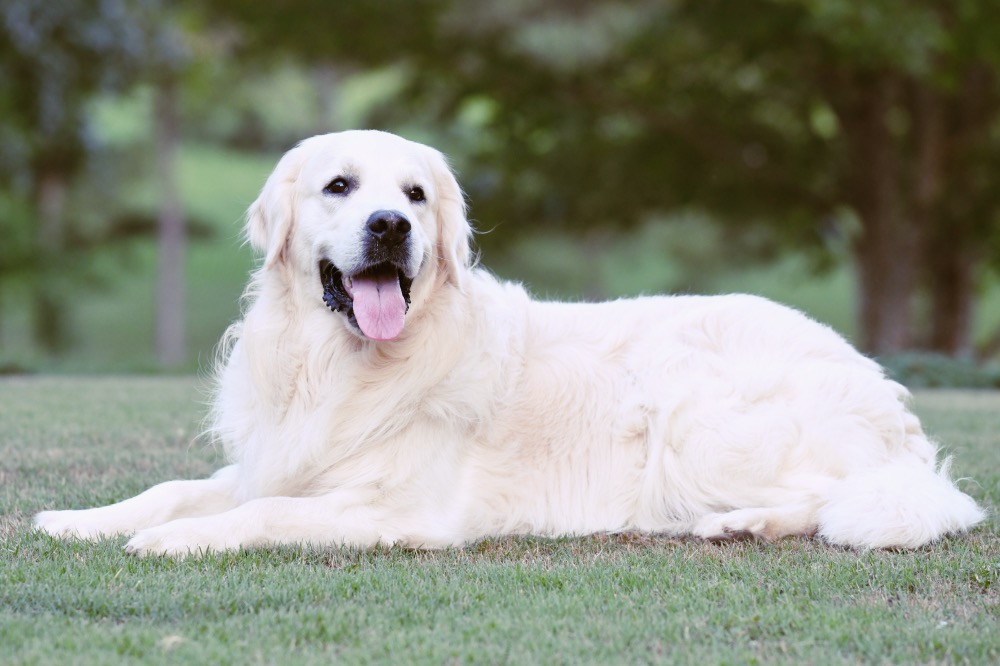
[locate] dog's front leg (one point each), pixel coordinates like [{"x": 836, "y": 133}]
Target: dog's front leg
[
  {"x": 341, "y": 517},
  {"x": 162, "y": 503}
]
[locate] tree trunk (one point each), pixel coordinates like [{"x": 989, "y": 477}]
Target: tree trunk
[
  {"x": 326, "y": 78},
  {"x": 948, "y": 263},
  {"x": 50, "y": 301},
  {"x": 952, "y": 288},
  {"x": 170, "y": 345},
  {"x": 886, "y": 251}
]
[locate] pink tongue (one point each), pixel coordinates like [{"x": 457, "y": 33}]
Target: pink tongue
[{"x": 379, "y": 306}]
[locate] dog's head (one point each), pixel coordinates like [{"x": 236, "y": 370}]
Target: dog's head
[{"x": 370, "y": 218}]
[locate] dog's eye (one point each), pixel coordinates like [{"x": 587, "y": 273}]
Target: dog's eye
[
  {"x": 416, "y": 194},
  {"x": 337, "y": 186}
]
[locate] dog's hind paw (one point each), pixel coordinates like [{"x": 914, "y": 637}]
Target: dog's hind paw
[{"x": 768, "y": 524}]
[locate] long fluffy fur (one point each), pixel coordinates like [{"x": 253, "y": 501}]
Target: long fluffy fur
[{"x": 496, "y": 414}]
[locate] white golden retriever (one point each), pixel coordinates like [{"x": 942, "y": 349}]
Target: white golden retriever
[{"x": 380, "y": 389}]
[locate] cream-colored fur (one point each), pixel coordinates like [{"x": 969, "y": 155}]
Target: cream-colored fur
[{"x": 496, "y": 414}]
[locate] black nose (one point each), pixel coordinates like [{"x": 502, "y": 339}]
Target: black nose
[{"x": 388, "y": 226}]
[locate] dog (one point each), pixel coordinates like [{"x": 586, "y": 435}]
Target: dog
[{"x": 383, "y": 389}]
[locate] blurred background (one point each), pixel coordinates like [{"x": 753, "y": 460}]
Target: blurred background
[{"x": 839, "y": 156}]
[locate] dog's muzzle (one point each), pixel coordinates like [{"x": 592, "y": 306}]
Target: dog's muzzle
[{"x": 375, "y": 296}]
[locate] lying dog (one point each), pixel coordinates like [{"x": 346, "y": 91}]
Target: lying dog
[{"x": 380, "y": 389}]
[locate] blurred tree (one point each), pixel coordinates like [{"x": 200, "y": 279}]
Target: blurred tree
[
  {"x": 813, "y": 124},
  {"x": 914, "y": 86},
  {"x": 171, "y": 239},
  {"x": 54, "y": 58},
  {"x": 813, "y": 120},
  {"x": 353, "y": 32},
  {"x": 165, "y": 62}
]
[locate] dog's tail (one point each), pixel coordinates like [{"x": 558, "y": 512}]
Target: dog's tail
[{"x": 903, "y": 504}]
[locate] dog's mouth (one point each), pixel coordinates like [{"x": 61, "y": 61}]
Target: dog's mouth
[{"x": 374, "y": 300}]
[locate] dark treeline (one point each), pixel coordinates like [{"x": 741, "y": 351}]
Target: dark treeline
[{"x": 819, "y": 126}]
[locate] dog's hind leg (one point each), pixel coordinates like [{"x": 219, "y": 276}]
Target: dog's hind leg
[
  {"x": 767, "y": 523},
  {"x": 903, "y": 504}
]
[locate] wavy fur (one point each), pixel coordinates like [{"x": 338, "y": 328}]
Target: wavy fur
[{"x": 496, "y": 414}]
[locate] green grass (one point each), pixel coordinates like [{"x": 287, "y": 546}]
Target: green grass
[{"x": 75, "y": 442}]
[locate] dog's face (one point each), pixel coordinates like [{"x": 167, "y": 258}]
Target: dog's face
[{"x": 371, "y": 219}]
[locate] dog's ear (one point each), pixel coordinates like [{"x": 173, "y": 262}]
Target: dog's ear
[
  {"x": 270, "y": 218},
  {"x": 453, "y": 229}
]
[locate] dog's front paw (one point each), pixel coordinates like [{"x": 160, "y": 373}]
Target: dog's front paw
[
  {"x": 179, "y": 538},
  {"x": 75, "y": 524}
]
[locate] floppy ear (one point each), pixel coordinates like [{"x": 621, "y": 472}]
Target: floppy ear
[
  {"x": 271, "y": 216},
  {"x": 454, "y": 231}
]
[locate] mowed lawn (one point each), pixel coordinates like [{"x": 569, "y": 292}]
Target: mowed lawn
[{"x": 78, "y": 442}]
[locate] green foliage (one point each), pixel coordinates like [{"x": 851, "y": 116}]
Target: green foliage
[
  {"x": 17, "y": 250},
  {"x": 112, "y": 317},
  {"x": 72, "y": 442},
  {"x": 590, "y": 119},
  {"x": 632, "y": 110},
  {"x": 54, "y": 57},
  {"x": 353, "y": 32},
  {"x": 770, "y": 115}
]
